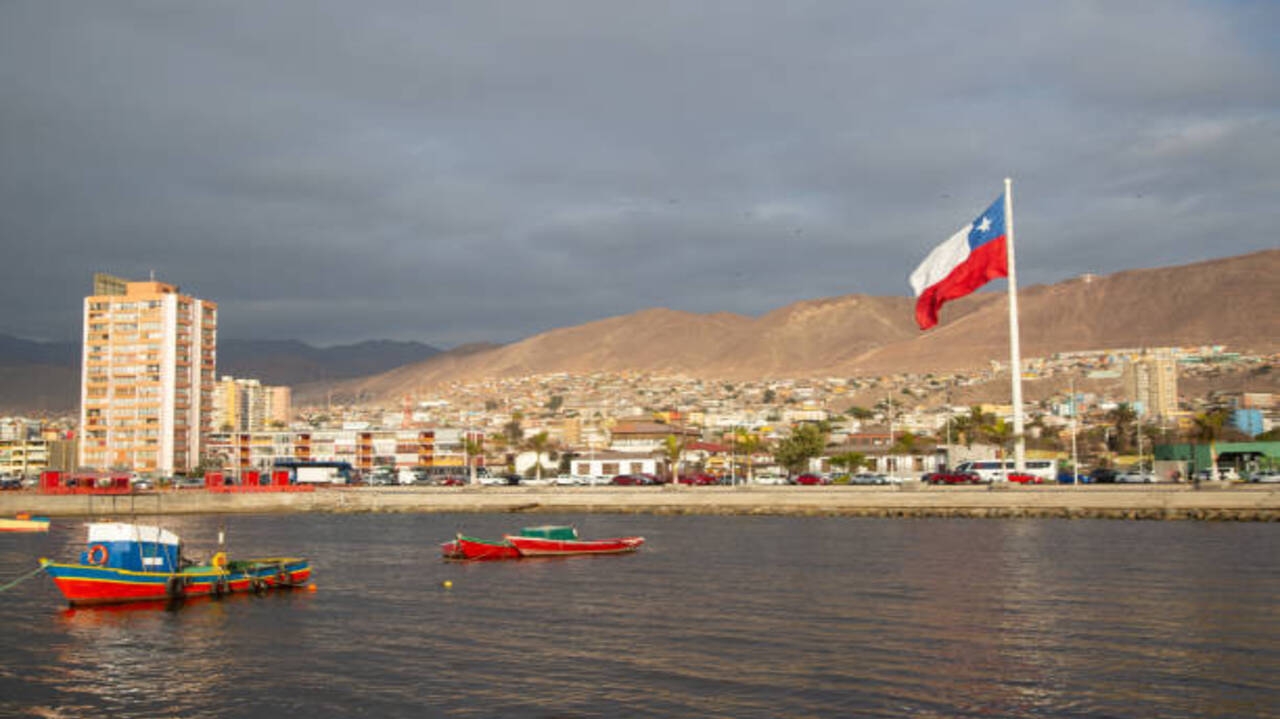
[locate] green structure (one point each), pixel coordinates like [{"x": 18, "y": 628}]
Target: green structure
[{"x": 1241, "y": 456}]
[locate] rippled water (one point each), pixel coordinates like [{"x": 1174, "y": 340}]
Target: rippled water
[{"x": 714, "y": 617}]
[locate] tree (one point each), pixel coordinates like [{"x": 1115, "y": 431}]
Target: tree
[
  {"x": 555, "y": 403},
  {"x": 768, "y": 397},
  {"x": 474, "y": 448},
  {"x": 748, "y": 444},
  {"x": 973, "y": 426},
  {"x": 538, "y": 444},
  {"x": 805, "y": 443},
  {"x": 1123, "y": 418},
  {"x": 850, "y": 461},
  {"x": 1207, "y": 428},
  {"x": 672, "y": 450},
  {"x": 857, "y": 412}
]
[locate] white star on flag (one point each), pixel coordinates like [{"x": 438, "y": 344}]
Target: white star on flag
[{"x": 986, "y": 225}]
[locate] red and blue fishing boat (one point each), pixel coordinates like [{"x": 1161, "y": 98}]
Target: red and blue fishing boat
[
  {"x": 544, "y": 541},
  {"x": 139, "y": 563}
]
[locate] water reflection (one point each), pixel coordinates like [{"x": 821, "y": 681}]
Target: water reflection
[{"x": 716, "y": 616}]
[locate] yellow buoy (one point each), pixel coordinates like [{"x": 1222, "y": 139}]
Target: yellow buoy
[
  {"x": 447, "y": 584},
  {"x": 311, "y": 587}
]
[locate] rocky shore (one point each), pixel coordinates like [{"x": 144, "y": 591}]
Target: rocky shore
[{"x": 1179, "y": 502}]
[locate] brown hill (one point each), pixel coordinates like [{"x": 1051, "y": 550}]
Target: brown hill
[{"x": 1229, "y": 301}]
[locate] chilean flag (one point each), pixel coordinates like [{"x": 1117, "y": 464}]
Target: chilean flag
[{"x": 968, "y": 260}]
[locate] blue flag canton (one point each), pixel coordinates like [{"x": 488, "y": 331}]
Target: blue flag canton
[{"x": 988, "y": 226}]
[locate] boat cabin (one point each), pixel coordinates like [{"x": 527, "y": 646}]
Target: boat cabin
[
  {"x": 550, "y": 531},
  {"x": 133, "y": 547}
]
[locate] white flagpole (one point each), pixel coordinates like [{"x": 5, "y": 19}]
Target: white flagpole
[{"x": 1015, "y": 353}]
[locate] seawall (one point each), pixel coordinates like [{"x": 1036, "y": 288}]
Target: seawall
[{"x": 1235, "y": 502}]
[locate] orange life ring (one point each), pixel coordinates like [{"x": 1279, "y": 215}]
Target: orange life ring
[{"x": 98, "y": 554}]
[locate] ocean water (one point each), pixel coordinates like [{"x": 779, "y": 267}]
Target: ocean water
[{"x": 713, "y": 617}]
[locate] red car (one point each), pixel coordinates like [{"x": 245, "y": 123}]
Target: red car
[
  {"x": 954, "y": 478},
  {"x": 810, "y": 479},
  {"x": 632, "y": 480},
  {"x": 698, "y": 479},
  {"x": 1025, "y": 479}
]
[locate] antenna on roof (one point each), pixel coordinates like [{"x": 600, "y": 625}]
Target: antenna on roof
[{"x": 153, "y": 275}]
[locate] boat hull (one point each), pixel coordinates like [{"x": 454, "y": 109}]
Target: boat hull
[
  {"x": 83, "y": 584},
  {"x": 478, "y": 550},
  {"x": 24, "y": 525},
  {"x": 541, "y": 547}
]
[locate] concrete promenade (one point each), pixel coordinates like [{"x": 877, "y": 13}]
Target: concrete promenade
[{"x": 1237, "y": 502}]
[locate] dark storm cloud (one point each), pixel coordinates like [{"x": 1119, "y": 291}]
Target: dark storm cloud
[{"x": 485, "y": 171}]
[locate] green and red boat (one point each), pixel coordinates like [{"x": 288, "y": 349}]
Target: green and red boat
[
  {"x": 138, "y": 563},
  {"x": 544, "y": 541}
]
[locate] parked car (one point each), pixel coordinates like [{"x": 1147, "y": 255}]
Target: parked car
[
  {"x": 1102, "y": 475},
  {"x": 1135, "y": 477},
  {"x": 1070, "y": 478},
  {"x": 698, "y": 479},
  {"x": 10, "y": 483},
  {"x": 631, "y": 480},
  {"x": 187, "y": 483},
  {"x": 809, "y": 479},
  {"x": 868, "y": 478},
  {"x": 1265, "y": 477},
  {"x": 1025, "y": 478},
  {"x": 953, "y": 478}
]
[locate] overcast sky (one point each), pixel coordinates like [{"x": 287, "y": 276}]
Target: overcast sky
[{"x": 484, "y": 171}]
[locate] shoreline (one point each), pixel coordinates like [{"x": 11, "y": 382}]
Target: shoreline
[{"x": 1234, "y": 502}]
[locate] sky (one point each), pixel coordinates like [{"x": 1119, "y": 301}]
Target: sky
[{"x": 335, "y": 171}]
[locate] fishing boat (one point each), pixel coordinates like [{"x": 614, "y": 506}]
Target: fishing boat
[
  {"x": 138, "y": 563},
  {"x": 24, "y": 522},
  {"x": 545, "y": 541},
  {"x": 562, "y": 541},
  {"x": 473, "y": 549}
]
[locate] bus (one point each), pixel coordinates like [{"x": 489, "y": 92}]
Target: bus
[
  {"x": 301, "y": 472},
  {"x": 992, "y": 470}
]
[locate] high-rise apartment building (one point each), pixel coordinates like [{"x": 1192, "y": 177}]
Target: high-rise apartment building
[
  {"x": 246, "y": 405},
  {"x": 1151, "y": 383},
  {"x": 146, "y": 389}
]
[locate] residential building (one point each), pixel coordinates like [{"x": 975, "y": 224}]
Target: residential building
[
  {"x": 245, "y": 405},
  {"x": 148, "y": 368},
  {"x": 1151, "y": 384}
]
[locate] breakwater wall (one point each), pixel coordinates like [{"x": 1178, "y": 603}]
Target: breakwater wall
[{"x": 1163, "y": 502}]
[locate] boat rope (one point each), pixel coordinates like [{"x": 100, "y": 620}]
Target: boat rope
[{"x": 10, "y": 585}]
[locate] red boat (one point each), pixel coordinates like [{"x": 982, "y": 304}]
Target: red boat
[
  {"x": 472, "y": 549},
  {"x": 558, "y": 541},
  {"x": 547, "y": 541}
]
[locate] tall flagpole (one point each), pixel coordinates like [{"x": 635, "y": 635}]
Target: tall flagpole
[{"x": 1015, "y": 353}]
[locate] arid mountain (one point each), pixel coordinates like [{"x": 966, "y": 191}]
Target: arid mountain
[
  {"x": 45, "y": 376},
  {"x": 1229, "y": 301}
]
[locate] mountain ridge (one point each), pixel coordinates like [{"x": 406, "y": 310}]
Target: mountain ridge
[{"x": 1221, "y": 301}]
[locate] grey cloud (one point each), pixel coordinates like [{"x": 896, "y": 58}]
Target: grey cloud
[{"x": 484, "y": 171}]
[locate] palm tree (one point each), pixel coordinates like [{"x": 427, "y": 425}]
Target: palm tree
[
  {"x": 1208, "y": 427},
  {"x": 749, "y": 444},
  {"x": 850, "y": 461},
  {"x": 538, "y": 444},
  {"x": 672, "y": 449},
  {"x": 473, "y": 448},
  {"x": 973, "y": 426},
  {"x": 1123, "y": 418}
]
